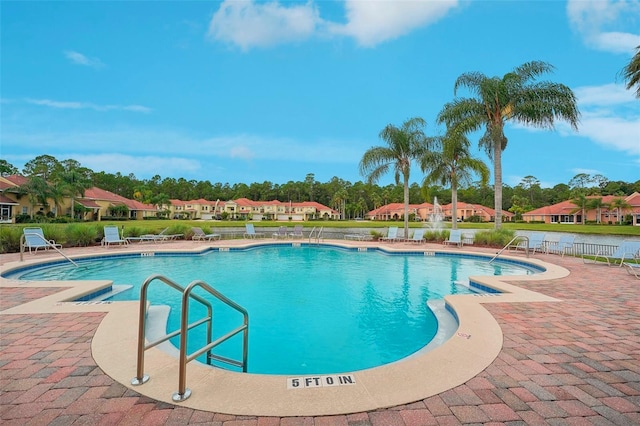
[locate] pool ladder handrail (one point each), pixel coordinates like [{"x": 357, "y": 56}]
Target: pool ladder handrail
[
  {"x": 47, "y": 242},
  {"x": 318, "y": 236},
  {"x": 183, "y": 392},
  {"x": 517, "y": 237}
]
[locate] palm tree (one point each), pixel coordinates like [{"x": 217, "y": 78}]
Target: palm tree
[
  {"x": 404, "y": 145},
  {"x": 631, "y": 72},
  {"x": 73, "y": 182},
  {"x": 581, "y": 201},
  {"x": 38, "y": 191},
  {"x": 516, "y": 97},
  {"x": 453, "y": 165},
  {"x": 597, "y": 204},
  {"x": 620, "y": 204}
]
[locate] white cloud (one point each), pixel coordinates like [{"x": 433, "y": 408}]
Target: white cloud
[
  {"x": 607, "y": 94},
  {"x": 80, "y": 59},
  {"x": 248, "y": 24},
  {"x": 608, "y": 25},
  {"x": 610, "y": 117},
  {"x": 372, "y": 22},
  {"x": 86, "y": 105}
]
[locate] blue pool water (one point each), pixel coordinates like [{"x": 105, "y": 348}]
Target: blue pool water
[{"x": 313, "y": 310}]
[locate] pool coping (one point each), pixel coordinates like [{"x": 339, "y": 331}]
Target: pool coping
[{"x": 474, "y": 345}]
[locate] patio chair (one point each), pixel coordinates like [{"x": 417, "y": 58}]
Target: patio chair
[
  {"x": 535, "y": 242},
  {"x": 297, "y": 232},
  {"x": 161, "y": 236},
  {"x": 112, "y": 236},
  {"x": 455, "y": 237},
  {"x": 200, "y": 235},
  {"x": 628, "y": 249},
  {"x": 392, "y": 235},
  {"x": 632, "y": 268},
  {"x": 281, "y": 233},
  {"x": 34, "y": 239},
  {"x": 417, "y": 237},
  {"x": 562, "y": 246},
  {"x": 250, "y": 231}
]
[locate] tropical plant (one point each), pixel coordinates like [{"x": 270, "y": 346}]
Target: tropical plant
[
  {"x": 631, "y": 72},
  {"x": 73, "y": 182},
  {"x": 452, "y": 165},
  {"x": 596, "y": 204},
  {"x": 619, "y": 204},
  {"x": 404, "y": 145},
  {"x": 517, "y": 97},
  {"x": 38, "y": 191},
  {"x": 581, "y": 201}
]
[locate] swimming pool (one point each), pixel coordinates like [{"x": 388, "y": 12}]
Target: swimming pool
[{"x": 313, "y": 310}]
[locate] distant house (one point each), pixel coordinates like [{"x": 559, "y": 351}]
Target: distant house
[
  {"x": 12, "y": 202},
  {"x": 100, "y": 202},
  {"x": 395, "y": 211},
  {"x": 426, "y": 212},
  {"x": 245, "y": 209},
  {"x": 567, "y": 212}
]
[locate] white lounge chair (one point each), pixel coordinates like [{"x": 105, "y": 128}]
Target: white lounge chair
[
  {"x": 534, "y": 242},
  {"x": 628, "y": 249},
  {"x": 632, "y": 268},
  {"x": 417, "y": 237},
  {"x": 112, "y": 236},
  {"x": 455, "y": 237},
  {"x": 392, "y": 234},
  {"x": 34, "y": 239},
  {"x": 562, "y": 246},
  {"x": 161, "y": 236},
  {"x": 200, "y": 235},
  {"x": 250, "y": 231},
  {"x": 281, "y": 233},
  {"x": 297, "y": 232}
]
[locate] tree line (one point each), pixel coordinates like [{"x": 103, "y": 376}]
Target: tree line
[{"x": 48, "y": 176}]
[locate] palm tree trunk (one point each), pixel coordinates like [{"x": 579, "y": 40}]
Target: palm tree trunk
[
  {"x": 406, "y": 206},
  {"x": 454, "y": 205},
  {"x": 497, "y": 176}
]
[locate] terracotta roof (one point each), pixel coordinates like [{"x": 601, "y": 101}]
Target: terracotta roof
[
  {"x": 104, "y": 195},
  {"x": 12, "y": 181},
  {"x": 6, "y": 200}
]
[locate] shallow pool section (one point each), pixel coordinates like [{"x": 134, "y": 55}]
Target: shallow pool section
[{"x": 313, "y": 309}]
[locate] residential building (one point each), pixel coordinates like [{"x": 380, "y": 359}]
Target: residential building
[
  {"x": 569, "y": 212},
  {"x": 246, "y": 209}
]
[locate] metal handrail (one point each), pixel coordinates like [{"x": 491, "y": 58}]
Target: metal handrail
[
  {"x": 47, "y": 242},
  {"x": 317, "y": 236},
  {"x": 183, "y": 393},
  {"x": 509, "y": 245}
]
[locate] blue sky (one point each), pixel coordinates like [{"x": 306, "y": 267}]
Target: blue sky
[{"x": 241, "y": 91}]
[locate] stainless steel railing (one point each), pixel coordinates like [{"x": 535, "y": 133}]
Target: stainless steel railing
[{"x": 187, "y": 294}]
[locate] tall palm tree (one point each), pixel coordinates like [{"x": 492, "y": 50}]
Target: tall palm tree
[
  {"x": 516, "y": 97},
  {"x": 452, "y": 165},
  {"x": 631, "y": 72},
  {"x": 404, "y": 145},
  {"x": 580, "y": 200}
]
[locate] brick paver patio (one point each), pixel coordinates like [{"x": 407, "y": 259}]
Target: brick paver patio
[{"x": 575, "y": 362}]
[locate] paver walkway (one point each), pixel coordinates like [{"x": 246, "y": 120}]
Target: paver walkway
[{"x": 575, "y": 362}]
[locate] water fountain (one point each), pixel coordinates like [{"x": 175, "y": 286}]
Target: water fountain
[{"x": 436, "y": 216}]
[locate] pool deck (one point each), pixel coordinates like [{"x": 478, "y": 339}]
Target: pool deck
[{"x": 568, "y": 353}]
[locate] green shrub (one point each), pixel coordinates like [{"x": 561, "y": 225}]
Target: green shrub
[
  {"x": 10, "y": 239},
  {"x": 494, "y": 238},
  {"x": 81, "y": 235}
]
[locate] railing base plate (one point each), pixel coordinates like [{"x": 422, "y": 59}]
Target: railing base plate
[
  {"x": 137, "y": 382},
  {"x": 179, "y": 397}
]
